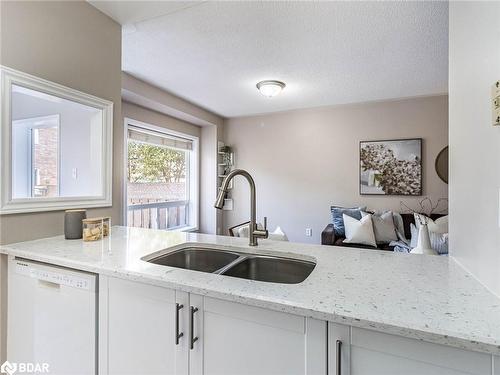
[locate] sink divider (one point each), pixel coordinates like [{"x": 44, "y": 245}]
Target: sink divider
[{"x": 238, "y": 260}]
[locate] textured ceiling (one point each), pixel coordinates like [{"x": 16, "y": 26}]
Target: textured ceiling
[{"x": 213, "y": 53}]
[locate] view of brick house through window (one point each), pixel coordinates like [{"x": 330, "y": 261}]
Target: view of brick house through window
[
  {"x": 44, "y": 161},
  {"x": 158, "y": 180}
]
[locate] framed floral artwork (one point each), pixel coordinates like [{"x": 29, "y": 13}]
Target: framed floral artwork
[{"x": 390, "y": 167}]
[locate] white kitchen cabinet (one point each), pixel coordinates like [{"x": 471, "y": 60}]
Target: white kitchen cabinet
[
  {"x": 236, "y": 339},
  {"x": 141, "y": 329},
  {"x": 218, "y": 337},
  {"x": 366, "y": 352}
]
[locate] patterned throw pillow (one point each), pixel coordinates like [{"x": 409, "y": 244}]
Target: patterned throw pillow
[
  {"x": 437, "y": 226},
  {"x": 338, "y": 219},
  {"x": 439, "y": 241},
  {"x": 414, "y": 236}
]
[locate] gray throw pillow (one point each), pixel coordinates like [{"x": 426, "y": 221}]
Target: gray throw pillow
[
  {"x": 338, "y": 219},
  {"x": 383, "y": 226}
]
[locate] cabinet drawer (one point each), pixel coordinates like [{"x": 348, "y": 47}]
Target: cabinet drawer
[{"x": 257, "y": 315}]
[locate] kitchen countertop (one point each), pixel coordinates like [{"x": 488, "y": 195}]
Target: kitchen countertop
[{"x": 423, "y": 297}]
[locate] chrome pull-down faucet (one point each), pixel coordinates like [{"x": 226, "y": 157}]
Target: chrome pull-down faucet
[{"x": 254, "y": 232}]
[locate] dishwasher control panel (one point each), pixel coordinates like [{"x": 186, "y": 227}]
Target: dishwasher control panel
[{"x": 42, "y": 273}]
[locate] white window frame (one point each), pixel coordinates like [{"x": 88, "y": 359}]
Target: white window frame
[
  {"x": 9, "y": 205},
  {"x": 194, "y": 165}
]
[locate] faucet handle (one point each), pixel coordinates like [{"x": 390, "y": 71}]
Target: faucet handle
[{"x": 261, "y": 233}]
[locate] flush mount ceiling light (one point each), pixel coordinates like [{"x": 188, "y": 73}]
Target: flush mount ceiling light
[{"x": 270, "y": 88}]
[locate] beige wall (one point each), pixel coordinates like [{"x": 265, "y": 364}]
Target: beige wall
[
  {"x": 474, "y": 142},
  {"x": 149, "y": 96},
  {"x": 148, "y": 116},
  {"x": 73, "y": 44},
  {"x": 208, "y": 178},
  {"x": 306, "y": 160}
]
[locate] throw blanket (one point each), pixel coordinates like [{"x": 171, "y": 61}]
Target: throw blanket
[{"x": 400, "y": 246}]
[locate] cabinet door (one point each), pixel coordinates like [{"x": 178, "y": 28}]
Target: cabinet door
[
  {"x": 375, "y": 353},
  {"x": 142, "y": 329},
  {"x": 236, "y": 339},
  {"x": 339, "y": 349}
]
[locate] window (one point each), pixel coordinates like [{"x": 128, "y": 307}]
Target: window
[
  {"x": 162, "y": 179},
  {"x": 45, "y": 161},
  {"x": 36, "y": 160}
]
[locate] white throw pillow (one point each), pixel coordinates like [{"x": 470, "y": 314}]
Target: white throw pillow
[
  {"x": 383, "y": 227},
  {"x": 437, "y": 226},
  {"x": 359, "y": 231}
]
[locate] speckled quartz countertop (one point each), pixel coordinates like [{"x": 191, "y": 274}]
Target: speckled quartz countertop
[{"x": 424, "y": 297}]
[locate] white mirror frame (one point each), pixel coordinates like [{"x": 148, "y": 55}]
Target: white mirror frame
[{"x": 9, "y": 77}]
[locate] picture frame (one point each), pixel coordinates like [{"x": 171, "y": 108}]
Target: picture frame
[{"x": 391, "y": 167}]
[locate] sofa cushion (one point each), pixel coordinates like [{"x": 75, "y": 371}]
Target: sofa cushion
[
  {"x": 383, "y": 226},
  {"x": 409, "y": 219},
  {"x": 338, "y": 219},
  {"x": 340, "y": 242},
  {"x": 439, "y": 225},
  {"x": 359, "y": 231}
]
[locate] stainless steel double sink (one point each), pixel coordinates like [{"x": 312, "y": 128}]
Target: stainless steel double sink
[{"x": 257, "y": 267}]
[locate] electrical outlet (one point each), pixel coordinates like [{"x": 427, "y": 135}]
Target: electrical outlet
[
  {"x": 74, "y": 173},
  {"x": 309, "y": 232}
]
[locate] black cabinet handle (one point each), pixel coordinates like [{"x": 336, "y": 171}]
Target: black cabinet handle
[
  {"x": 338, "y": 352},
  {"x": 178, "y": 335},
  {"x": 193, "y": 339}
]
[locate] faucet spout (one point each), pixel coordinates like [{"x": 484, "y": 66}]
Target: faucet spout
[{"x": 254, "y": 233}]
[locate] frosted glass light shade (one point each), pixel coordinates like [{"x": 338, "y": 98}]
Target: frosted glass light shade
[{"x": 270, "y": 88}]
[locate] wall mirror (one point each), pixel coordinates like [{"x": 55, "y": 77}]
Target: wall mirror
[
  {"x": 56, "y": 146},
  {"x": 442, "y": 164}
]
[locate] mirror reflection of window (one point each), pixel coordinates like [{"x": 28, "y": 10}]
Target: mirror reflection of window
[
  {"x": 56, "y": 146},
  {"x": 44, "y": 161}
]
